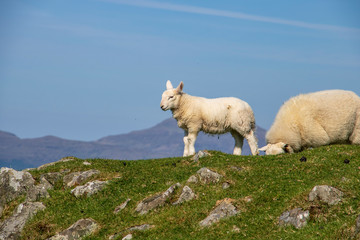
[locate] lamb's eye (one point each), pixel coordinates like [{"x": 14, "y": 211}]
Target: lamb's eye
[{"x": 171, "y": 97}]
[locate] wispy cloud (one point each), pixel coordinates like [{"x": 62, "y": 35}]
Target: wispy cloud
[{"x": 230, "y": 14}]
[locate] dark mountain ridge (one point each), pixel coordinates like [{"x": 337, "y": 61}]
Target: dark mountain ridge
[{"x": 163, "y": 140}]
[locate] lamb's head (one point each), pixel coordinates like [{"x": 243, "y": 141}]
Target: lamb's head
[
  {"x": 277, "y": 148},
  {"x": 171, "y": 96}
]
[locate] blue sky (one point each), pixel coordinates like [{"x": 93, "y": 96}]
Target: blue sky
[{"x": 86, "y": 69}]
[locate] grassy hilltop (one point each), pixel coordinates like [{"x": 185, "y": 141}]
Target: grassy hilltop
[{"x": 263, "y": 187}]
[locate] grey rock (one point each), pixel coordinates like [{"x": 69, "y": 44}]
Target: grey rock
[
  {"x": 193, "y": 179},
  {"x": 121, "y": 206},
  {"x": 86, "y": 163},
  {"x": 36, "y": 192},
  {"x": 155, "y": 201},
  {"x": 327, "y": 194},
  {"x": 296, "y": 217},
  {"x": 186, "y": 195},
  {"x": 200, "y": 154},
  {"x": 52, "y": 178},
  {"x": 357, "y": 225},
  {"x": 127, "y": 237},
  {"x": 77, "y": 178},
  {"x": 46, "y": 183},
  {"x": 207, "y": 176},
  {"x": 141, "y": 227},
  {"x": 89, "y": 188},
  {"x": 80, "y": 229},
  {"x": 225, "y": 185},
  {"x": 13, "y": 184},
  {"x": 224, "y": 209},
  {"x": 11, "y": 228}
]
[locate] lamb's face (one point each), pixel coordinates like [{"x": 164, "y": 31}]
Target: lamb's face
[
  {"x": 169, "y": 100},
  {"x": 171, "y": 96},
  {"x": 276, "y": 148}
]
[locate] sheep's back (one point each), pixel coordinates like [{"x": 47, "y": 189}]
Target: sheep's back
[
  {"x": 333, "y": 112},
  {"x": 219, "y": 114}
]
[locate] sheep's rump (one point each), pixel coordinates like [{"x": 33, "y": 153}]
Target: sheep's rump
[{"x": 316, "y": 119}]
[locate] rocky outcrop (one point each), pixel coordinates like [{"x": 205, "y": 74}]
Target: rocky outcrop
[
  {"x": 53, "y": 177},
  {"x": 205, "y": 176},
  {"x": 155, "y": 201},
  {"x": 89, "y": 188},
  {"x": 327, "y": 194},
  {"x": 224, "y": 209},
  {"x": 296, "y": 217},
  {"x": 36, "y": 192},
  {"x": 200, "y": 154},
  {"x": 225, "y": 185},
  {"x": 79, "y": 230},
  {"x": 11, "y": 228},
  {"x": 142, "y": 227},
  {"x": 121, "y": 206},
  {"x": 357, "y": 226},
  {"x": 192, "y": 179},
  {"x": 77, "y": 178},
  {"x": 127, "y": 237},
  {"x": 13, "y": 184},
  {"x": 186, "y": 195}
]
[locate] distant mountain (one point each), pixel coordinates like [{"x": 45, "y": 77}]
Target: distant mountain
[{"x": 162, "y": 140}]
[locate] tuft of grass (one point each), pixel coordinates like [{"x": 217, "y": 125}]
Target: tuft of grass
[
  {"x": 10, "y": 207},
  {"x": 263, "y": 187}
]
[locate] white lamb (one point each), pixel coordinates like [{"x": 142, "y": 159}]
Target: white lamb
[
  {"x": 315, "y": 119},
  {"x": 214, "y": 116}
]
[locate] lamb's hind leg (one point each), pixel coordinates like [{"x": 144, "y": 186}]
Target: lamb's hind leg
[
  {"x": 239, "y": 140},
  {"x": 252, "y": 140}
]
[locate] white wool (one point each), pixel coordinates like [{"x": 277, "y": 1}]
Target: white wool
[
  {"x": 315, "y": 119},
  {"x": 214, "y": 116}
]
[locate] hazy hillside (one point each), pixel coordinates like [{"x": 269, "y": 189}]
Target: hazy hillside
[{"x": 162, "y": 140}]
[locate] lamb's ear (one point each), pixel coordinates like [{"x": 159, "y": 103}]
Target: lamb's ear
[
  {"x": 264, "y": 148},
  {"x": 169, "y": 85},
  {"x": 288, "y": 149},
  {"x": 180, "y": 87}
]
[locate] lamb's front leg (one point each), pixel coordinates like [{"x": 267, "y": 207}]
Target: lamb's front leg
[
  {"x": 186, "y": 144},
  {"x": 189, "y": 141}
]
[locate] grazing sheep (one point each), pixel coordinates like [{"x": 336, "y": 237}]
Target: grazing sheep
[
  {"x": 214, "y": 116},
  {"x": 313, "y": 120}
]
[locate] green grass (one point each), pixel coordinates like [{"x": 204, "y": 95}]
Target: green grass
[{"x": 275, "y": 184}]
